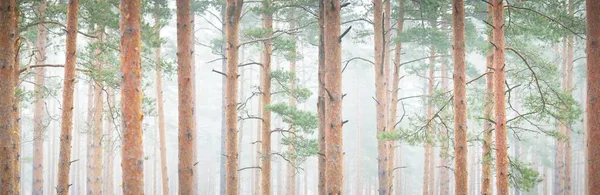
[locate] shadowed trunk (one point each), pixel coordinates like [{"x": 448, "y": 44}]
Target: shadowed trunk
[
  {"x": 593, "y": 92},
  {"x": 486, "y": 169},
  {"x": 322, "y": 101}
]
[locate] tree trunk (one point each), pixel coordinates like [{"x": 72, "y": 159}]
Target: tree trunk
[
  {"x": 8, "y": 180},
  {"x": 486, "y": 173},
  {"x": 131, "y": 93},
  {"x": 568, "y": 88},
  {"x": 265, "y": 101},
  {"x": 394, "y": 101},
  {"x": 593, "y": 92},
  {"x": 460, "y": 98},
  {"x": 502, "y": 184},
  {"x": 187, "y": 129},
  {"x": 109, "y": 147},
  {"x": 232, "y": 19},
  {"x": 291, "y": 168},
  {"x": 94, "y": 178},
  {"x": 39, "y": 115},
  {"x": 387, "y": 24},
  {"x": 380, "y": 95},
  {"x": 322, "y": 101},
  {"x": 428, "y": 161},
  {"x": 64, "y": 164},
  {"x": 223, "y": 157},
  {"x": 160, "y": 104},
  {"x": 333, "y": 134}
]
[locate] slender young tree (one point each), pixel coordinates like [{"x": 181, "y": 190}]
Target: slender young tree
[
  {"x": 232, "y": 28},
  {"x": 333, "y": 133},
  {"x": 322, "y": 101},
  {"x": 159, "y": 102},
  {"x": 291, "y": 168},
  {"x": 40, "y": 114},
  {"x": 110, "y": 142},
  {"x": 502, "y": 184},
  {"x": 131, "y": 93},
  {"x": 380, "y": 95},
  {"x": 64, "y": 163},
  {"x": 187, "y": 129},
  {"x": 593, "y": 92},
  {"x": 460, "y": 98},
  {"x": 8, "y": 175},
  {"x": 265, "y": 75},
  {"x": 394, "y": 92},
  {"x": 95, "y": 137},
  {"x": 486, "y": 169}
]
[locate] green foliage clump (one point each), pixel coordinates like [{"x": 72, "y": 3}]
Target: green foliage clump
[
  {"x": 304, "y": 120},
  {"x": 522, "y": 176}
]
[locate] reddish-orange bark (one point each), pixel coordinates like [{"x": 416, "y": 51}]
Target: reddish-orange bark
[
  {"x": 460, "y": 98},
  {"x": 380, "y": 96},
  {"x": 266, "y": 100},
  {"x": 187, "y": 130},
  {"x": 502, "y": 184},
  {"x": 428, "y": 139},
  {"x": 486, "y": 173},
  {"x": 322, "y": 101},
  {"x": 64, "y": 163},
  {"x": 232, "y": 23},
  {"x": 39, "y": 114},
  {"x": 132, "y": 163},
  {"x": 333, "y": 134},
  {"x": 160, "y": 105},
  {"x": 395, "y": 174},
  {"x": 593, "y": 94},
  {"x": 8, "y": 175},
  {"x": 95, "y": 136}
]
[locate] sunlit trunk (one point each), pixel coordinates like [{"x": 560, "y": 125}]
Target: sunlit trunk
[
  {"x": 499, "y": 96},
  {"x": 39, "y": 116},
  {"x": 266, "y": 100}
]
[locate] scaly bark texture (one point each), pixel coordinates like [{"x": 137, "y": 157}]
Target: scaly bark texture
[
  {"x": 187, "y": 129},
  {"x": 39, "y": 115},
  {"x": 64, "y": 163},
  {"x": 593, "y": 96},
  {"x": 8, "y": 35},
  {"x": 502, "y": 184},
  {"x": 132, "y": 164},
  {"x": 486, "y": 165},
  {"x": 94, "y": 176},
  {"x": 232, "y": 20},
  {"x": 460, "y": 98},
  {"x": 333, "y": 134},
  {"x": 160, "y": 105},
  {"x": 395, "y": 174},
  {"x": 387, "y": 24},
  {"x": 322, "y": 101},
  {"x": 380, "y": 96},
  {"x": 265, "y": 75}
]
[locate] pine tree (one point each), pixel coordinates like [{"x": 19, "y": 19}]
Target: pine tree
[
  {"x": 40, "y": 113},
  {"x": 460, "y": 98},
  {"x": 265, "y": 76},
  {"x": 499, "y": 104},
  {"x": 593, "y": 90}
]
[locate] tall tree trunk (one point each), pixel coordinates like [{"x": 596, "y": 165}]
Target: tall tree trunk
[
  {"x": 380, "y": 95},
  {"x": 39, "y": 116},
  {"x": 460, "y": 98},
  {"x": 333, "y": 134},
  {"x": 486, "y": 173},
  {"x": 593, "y": 92},
  {"x": 395, "y": 174},
  {"x": 387, "y": 28},
  {"x": 16, "y": 105},
  {"x": 131, "y": 92},
  {"x": 291, "y": 168},
  {"x": 428, "y": 161},
  {"x": 64, "y": 164},
  {"x": 322, "y": 101},
  {"x": 232, "y": 19},
  {"x": 502, "y": 184},
  {"x": 223, "y": 157},
  {"x": 160, "y": 104},
  {"x": 109, "y": 147},
  {"x": 8, "y": 34},
  {"x": 569, "y": 90},
  {"x": 94, "y": 178},
  {"x": 265, "y": 101},
  {"x": 187, "y": 129}
]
